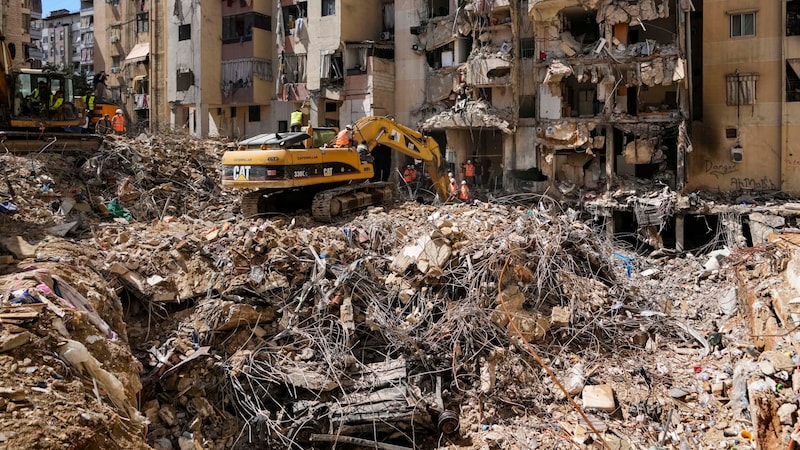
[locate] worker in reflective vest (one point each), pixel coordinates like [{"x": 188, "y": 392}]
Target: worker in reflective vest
[
  {"x": 410, "y": 174},
  {"x": 89, "y": 101},
  {"x": 297, "y": 120},
  {"x": 56, "y": 102},
  {"x": 469, "y": 172},
  {"x": 118, "y": 122},
  {"x": 344, "y": 137}
]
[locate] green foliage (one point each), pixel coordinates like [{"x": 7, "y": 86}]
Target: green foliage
[{"x": 80, "y": 83}]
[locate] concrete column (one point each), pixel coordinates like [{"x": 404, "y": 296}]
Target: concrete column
[
  {"x": 680, "y": 238},
  {"x": 610, "y": 156},
  {"x": 316, "y": 116}
]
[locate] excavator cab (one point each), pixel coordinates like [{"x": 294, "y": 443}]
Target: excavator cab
[{"x": 43, "y": 97}]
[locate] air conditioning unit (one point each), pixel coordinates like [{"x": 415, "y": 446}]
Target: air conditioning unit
[
  {"x": 386, "y": 36},
  {"x": 114, "y": 39}
]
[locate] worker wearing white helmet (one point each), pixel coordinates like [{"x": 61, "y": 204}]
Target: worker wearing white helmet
[{"x": 118, "y": 122}]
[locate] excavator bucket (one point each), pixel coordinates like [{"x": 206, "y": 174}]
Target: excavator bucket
[{"x": 30, "y": 142}]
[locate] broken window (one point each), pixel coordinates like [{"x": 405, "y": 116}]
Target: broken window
[
  {"x": 239, "y": 28},
  {"x": 793, "y": 80},
  {"x": 793, "y": 17},
  {"x": 331, "y": 65},
  {"x": 741, "y": 89},
  {"x": 743, "y": 24},
  {"x": 441, "y": 57},
  {"x": 438, "y": 8},
  {"x": 290, "y": 15},
  {"x": 184, "y": 79},
  {"x": 581, "y": 24},
  {"x": 184, "y": 32},
  {"x": 294, "y": 68},
  {"x": 328, "y": 7}
]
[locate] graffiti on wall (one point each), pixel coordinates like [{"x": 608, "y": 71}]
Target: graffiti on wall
[
  {"x": 718, "y": 169},
  {"x": 763, "y": 184}
]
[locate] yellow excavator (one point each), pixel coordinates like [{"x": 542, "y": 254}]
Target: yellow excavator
[
  {"x": 37, "y": 107},
  {"x": 289, "y": 172}
]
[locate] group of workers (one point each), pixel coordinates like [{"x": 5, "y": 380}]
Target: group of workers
[
  {"x": 460, "y": 191},
  {"x": 53, "y": 106}
]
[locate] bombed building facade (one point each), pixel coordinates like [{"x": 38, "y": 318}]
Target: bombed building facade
[{"x": 639, "y": 111}]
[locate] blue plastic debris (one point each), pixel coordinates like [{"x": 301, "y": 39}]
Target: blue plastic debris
[{"x": 627, "y": 261}]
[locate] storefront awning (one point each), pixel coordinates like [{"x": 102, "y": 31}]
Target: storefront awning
[{"x": 139, "y": 53}]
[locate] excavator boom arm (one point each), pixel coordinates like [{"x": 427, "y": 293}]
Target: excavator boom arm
[{"x": 374, "y": 131}]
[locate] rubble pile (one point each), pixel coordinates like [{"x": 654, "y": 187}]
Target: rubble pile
[{"x": 510, "y": 324}]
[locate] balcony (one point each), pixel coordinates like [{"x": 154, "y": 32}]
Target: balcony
[{"x": 489, "y": 69}]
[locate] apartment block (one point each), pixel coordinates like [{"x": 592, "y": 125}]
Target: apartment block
[
  {"x": 17, "y": 18},
  {"x": 121, "y": 48}
]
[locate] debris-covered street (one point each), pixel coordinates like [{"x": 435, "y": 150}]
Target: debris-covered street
[{"x": 140, "y": 310}]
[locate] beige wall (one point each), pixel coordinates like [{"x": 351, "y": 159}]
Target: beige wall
[
  {"x": 710, "y": 165},
  {"x": 410, "y": 67}
]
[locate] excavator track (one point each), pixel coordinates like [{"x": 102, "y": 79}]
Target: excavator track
[
  {"x": 249, "y": 204},
  {"x": 331, "y": 203}
]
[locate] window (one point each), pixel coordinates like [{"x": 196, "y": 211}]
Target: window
[
  {"x": 331, "y": 65},
  {"x": 184, "y": 32},
  {"x": 328, "y": 7},
  {"x": 741, "y": 89},
  {"x": 743, "y": 24},
  {"x": 142, "y": 22},
  {"x": 793, "y": 18},
  {"x": 527, "y": 106},
  {"x": 254, "y": 113},
  {"x": 283, "y": 126},
  {"x": 239, "y": 28},
  {"x": 438, "y": 8},
  {"x": 793, "y": 80},
  {"x": 184, "y": 79},
  {"x": 294, "y": 67},
  {"x": 115, "y": 64},
  {"x": 26, "y": 23},
  {"x": 730, "y": 133},
  {"x": 527, "y": 48},
  {"x": 290, "y": 15},
  {"x": 233, "y": 111}
]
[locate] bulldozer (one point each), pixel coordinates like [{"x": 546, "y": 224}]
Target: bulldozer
[
  {"x": 37, "y": 107},
  {"x": 288, "y": 171}
]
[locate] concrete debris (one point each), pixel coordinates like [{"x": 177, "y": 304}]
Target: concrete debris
[{"x": 185, "y": 326}]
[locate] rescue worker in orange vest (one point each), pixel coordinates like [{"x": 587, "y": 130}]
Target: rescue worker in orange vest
[
  {"x": 469, "y": 172},
  {"x": 453, "y": 185},
  {"x": 118, "y": 122},
  {"x": 464, "y": 194},
  {"x": 344, "y": 137},
  {"x": 410, "y": 174}
]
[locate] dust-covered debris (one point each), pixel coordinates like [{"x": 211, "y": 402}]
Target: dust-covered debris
[{"x": 416, "y": 327}]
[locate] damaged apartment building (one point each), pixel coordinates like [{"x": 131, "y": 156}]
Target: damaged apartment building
[
  {"x": 593, "y": 101},
  {"x": 576, "y": 98}
]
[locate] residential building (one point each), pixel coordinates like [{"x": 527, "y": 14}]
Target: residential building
[
  {"x": 17, "y": 19},
  {"x": 86, "y": 39},
  {"x": 60, "y": 34},
  {"x": 746, "y": 96},
  {"x": 35, "y": 54},
  {"x": 122, "y": 49}
]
